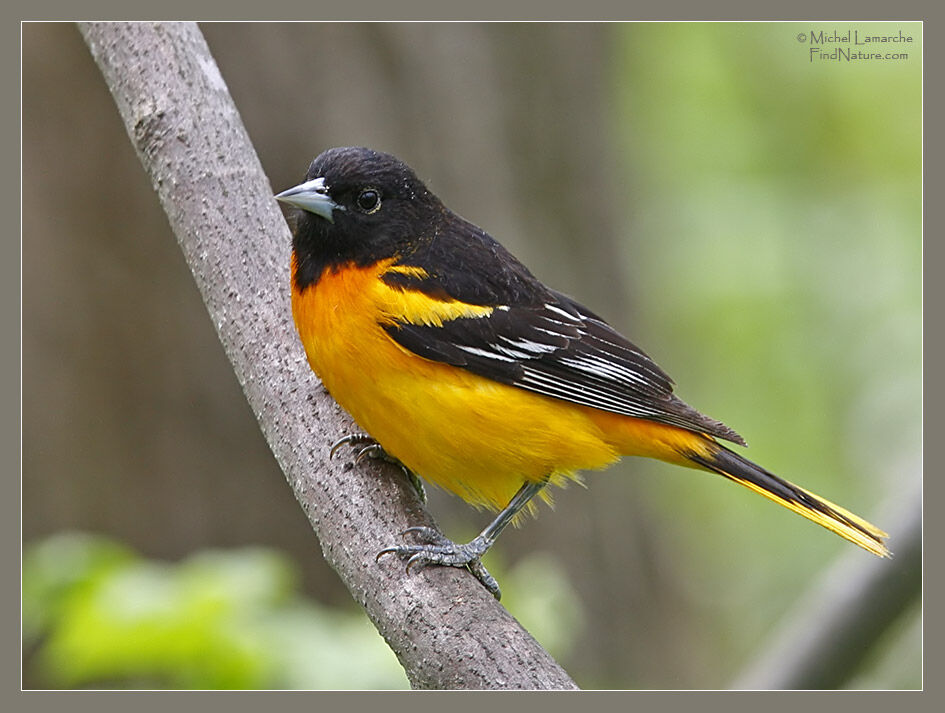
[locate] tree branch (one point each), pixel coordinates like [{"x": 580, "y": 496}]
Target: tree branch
[
  {"x": 835, "y": 626},
  {"x": 447, "y": 631}
]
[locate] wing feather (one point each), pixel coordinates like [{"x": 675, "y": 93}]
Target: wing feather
[
  {"x": 559, "y": 349},
  {"x": 530, "y": 337}
]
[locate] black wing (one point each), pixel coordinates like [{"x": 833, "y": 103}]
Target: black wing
[{"x": 538, "y": 339}]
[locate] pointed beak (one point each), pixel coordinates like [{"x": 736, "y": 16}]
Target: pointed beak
[{"x": 311, "y": 196}]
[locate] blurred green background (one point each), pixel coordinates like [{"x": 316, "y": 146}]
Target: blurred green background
[{"x": 748, "y": 216}]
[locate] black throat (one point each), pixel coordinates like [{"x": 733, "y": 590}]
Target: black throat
[{"x": 317, "y": 246}]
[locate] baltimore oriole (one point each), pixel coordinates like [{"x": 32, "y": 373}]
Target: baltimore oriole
[{"x": 470, "y": 372}]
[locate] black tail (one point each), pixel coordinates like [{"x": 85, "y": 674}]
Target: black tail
[{"x": 734, "y": 467}]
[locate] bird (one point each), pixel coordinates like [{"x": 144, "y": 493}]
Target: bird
[{"x": 464, "y": 368}]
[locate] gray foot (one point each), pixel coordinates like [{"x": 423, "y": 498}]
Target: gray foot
[
  {"x": 439, "y": 550},
  {"x": 373, "y": 449}
]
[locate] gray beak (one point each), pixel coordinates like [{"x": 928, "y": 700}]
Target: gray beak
[{"x": 311, "y": 196}]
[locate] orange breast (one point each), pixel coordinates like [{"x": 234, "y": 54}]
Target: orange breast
[{"x": 475, "y": 437}]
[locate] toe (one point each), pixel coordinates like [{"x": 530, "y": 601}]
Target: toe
[
  {"x": 429, "y": 535},
  {"x": 350, "y": 438}
]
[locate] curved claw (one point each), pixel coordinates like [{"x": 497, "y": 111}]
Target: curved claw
[
  {"x": 372, "y": 451},
  {"x": 385, "y": 551},
  {"x": 376, "y": 450},
  {"x": 350, "y": 438},
  {"x": 415, "y": 559},
  {"x": 432, "y": 536}
]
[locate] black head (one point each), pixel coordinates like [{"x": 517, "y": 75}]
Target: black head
[{"x": 358, "y": 206}]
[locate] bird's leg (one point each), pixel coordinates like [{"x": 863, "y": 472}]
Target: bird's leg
[
  {"x": 438, "y": 549},
  {"x": 373, "y": 449}
]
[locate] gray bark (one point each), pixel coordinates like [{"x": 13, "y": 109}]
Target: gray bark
[{"x": 447, "y": 631}]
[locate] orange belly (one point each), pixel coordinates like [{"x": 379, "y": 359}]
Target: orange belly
[{"x": 475, "y": 437}]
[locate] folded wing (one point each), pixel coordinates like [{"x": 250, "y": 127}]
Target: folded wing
[{"x": 558, "y": 348}]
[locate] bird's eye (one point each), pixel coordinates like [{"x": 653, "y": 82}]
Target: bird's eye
[{"x": 369, "y": 200}]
